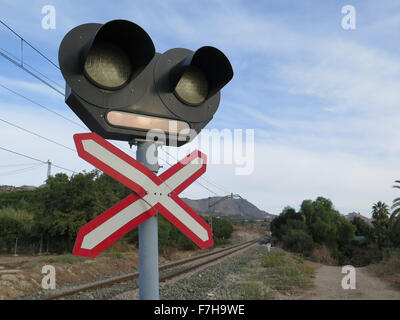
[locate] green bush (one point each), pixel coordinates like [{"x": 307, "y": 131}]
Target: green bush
[
  {"x": 222, "y": 228},
  {"x": 317, "y": 223},
  {"x": 298, "y": 241},
  {"x": 273, "y": 260},
  {"x": 359, "y": 256}
]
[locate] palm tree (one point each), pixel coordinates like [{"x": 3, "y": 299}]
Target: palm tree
[
  {"x": 380, "y": 212},
  {"x": 380, "y": 215},
  {"x": 394, "y": 220},
  {"x": 396, "y": 205}
]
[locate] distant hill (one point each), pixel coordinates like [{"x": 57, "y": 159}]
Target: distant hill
[
  {"x": 8, "y": 189},
  {"x": 350, "y": 217},
  {"x": 228, "y": 207}
]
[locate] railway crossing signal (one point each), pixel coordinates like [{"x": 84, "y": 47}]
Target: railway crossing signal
[
  {"x": 152, "y": 194},
  {"x": 121, "y": 88}
]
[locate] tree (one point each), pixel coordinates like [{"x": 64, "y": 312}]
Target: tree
[
  {"x": 278, "y": 224},
  {"x": 394, "y": 220},
  {"x": 293, "y": 224},
  {"x": 298, "y": 241},
  {"x": 317, "y": 223},
  {"x": 307, "y": 209},
  {"x": 363, "y": 229},
  {"x": 15, "y": 224},
  {"x": 10, "y": 229},
  {"x": 327, "y": 226},
  {"x": 345, "y": 232},
  {"x": 394, "y": 233},
  {"x": 380, "y": 214},
  {"x": 396, "y": 203},
  {"x": 66, "y": 204}
]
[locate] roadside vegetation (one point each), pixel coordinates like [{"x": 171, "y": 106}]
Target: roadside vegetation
[
  {"x": 48, "y": 219},
  {"x": 272, "y": 275},
  {"x": 389, "y": 269},
  {"x": 254, "y": 274},
  {"x": 318, "y": 231},
  {"x": 291, "y": 275}
]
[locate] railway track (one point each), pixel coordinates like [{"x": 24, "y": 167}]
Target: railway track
[{"x": 213, "y": 256}]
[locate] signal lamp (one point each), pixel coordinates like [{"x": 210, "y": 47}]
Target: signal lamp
[{"x": 121, "y": 88}]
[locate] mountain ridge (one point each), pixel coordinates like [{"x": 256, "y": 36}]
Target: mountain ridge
[
  {"x": 350, "y": 217},
  {"x": 228, "y": 207},
  {"x": 8, "y": 189}
]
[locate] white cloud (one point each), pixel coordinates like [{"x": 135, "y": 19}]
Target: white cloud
[
  {"x": 352, "y": 75},
  {"x": 288, "y": 175}
]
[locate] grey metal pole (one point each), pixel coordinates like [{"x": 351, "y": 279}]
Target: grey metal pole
[{"x": 148, "y": 233}]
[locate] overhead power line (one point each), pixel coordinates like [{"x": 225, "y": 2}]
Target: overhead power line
[
  {"x": 23, "y": 40},
  {"x": 12, "y": 172},
  {"x": 20, "y": 65},
  {"x": 19, "y": 62},
  {"x": 22, "y": 155},
  {"x": 16, "y": 165},
  {"x": 52, "y": 111},
  {"x": 202, "y": 177},
  {"x": 25, "y": 64},
  {"x": 38, "y": 135},
  {"x": 40, "y": 77},
  {"x": 41, "y": 106},
  {"x": 196, "y": 181},
  {"x": 32, "y": 158}
]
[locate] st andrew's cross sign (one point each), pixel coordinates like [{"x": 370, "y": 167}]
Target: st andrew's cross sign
[{"x": 152, "y": 194}]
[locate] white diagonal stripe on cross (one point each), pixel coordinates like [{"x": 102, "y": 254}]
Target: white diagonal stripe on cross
[{"x": 155, "y": 194}]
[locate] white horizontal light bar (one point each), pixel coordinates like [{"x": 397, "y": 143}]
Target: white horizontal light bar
[{"x": 142, "y": 122}]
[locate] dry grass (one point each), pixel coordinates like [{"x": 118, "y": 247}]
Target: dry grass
[
  {"x": 388, "y": 269},
  {"x": 71, "y": 269},
  {"x": 273, "y": 274},
  {"x": 322, "y": 255},
  {"x": 292, "y": 275},
  {"x": 276, "y": 259}
]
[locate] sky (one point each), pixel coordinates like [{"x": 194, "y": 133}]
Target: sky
[{"x": 323, "y": 100}]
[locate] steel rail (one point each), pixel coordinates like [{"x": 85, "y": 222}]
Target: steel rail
[
  {"x": 178, "y": 273},
  {"x": 131, "y": 276}
]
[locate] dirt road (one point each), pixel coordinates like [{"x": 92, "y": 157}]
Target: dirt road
[{"x": 328, "y": 286}]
